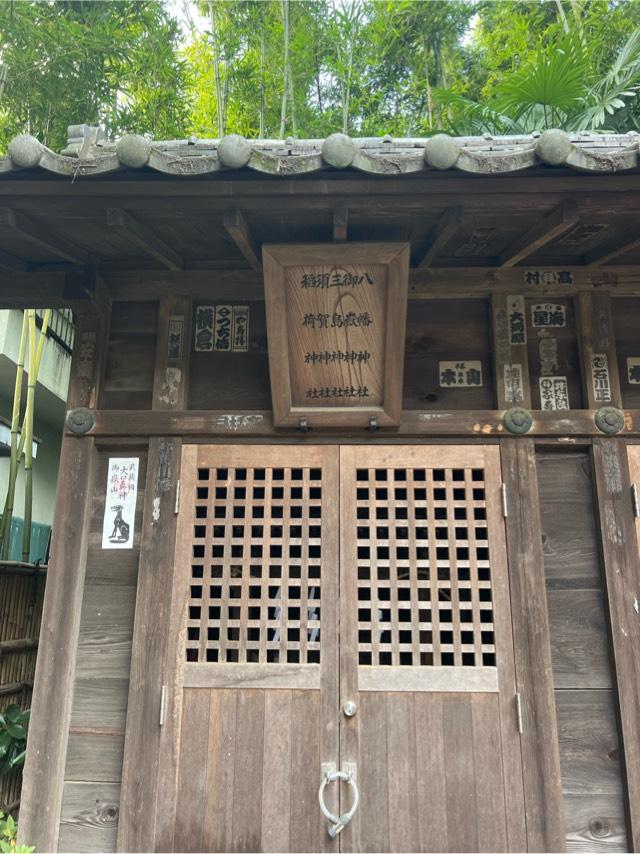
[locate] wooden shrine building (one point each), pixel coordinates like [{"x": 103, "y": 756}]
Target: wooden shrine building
[{"x": 346, "y": 544}]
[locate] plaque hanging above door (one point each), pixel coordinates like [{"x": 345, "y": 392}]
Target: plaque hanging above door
[{"x": 336, "y": 316}]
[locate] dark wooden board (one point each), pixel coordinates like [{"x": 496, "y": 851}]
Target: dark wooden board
[{"x": 626, "y": 322}]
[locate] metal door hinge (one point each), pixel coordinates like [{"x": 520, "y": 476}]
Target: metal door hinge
[
  {"x": 176, "y": 509},
  {"x": 519, "y": 713},
  {"x": 163, "y": 700},
  {"x": 635, "y": 498},
  {"x": 503, "y": 494}
]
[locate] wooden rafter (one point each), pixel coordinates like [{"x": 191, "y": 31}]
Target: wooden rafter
[
  {"x": 448, "y": 225},
  {"x": 560, "y": 220},
  {"x": 136, "y": 232},
  {"x": 239, "y": 232},
  {"x": 340, "y": 223},
  {"x": 602, "y": 255},
  {"x": 25, "y": 226}
]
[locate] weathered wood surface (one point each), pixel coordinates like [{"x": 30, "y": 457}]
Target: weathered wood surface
[
  {"x": 506, "y": 355},
  {"x": 48, "y": 731},
  {"x": 130, "y": 356},
  {"x": 171, "y": 371},
  {"x": 626, "y": 314},
  {"x": 89, "y": 817},
  {"x": 596, "y": 334},
  {"x": 622, "y": 586},
  {"x": 150, "y": 642},
  {"x": 379, "y": 295},
  {"x": 94, "y": 754},
  {"x": 590, "y": 758},
  {"x": 482, "y": 424},
  {"x": 534, "y": 674}
]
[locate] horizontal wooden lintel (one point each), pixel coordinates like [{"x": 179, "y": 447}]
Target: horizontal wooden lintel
[{"x": 216, "y": 424}]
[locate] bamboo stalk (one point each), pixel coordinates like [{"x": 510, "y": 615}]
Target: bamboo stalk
[
  {"x": 43, "y": 337},
  {"x": 28, "y": 434},
  {"x": 7, "y": 516}
]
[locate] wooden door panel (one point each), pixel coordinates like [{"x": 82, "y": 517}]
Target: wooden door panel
[
  {"x": 255, "y": 640},
  {"x": 426, "y": 652}
]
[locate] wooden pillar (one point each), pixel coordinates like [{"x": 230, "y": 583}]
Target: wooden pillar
[
  {"x": 622, "y": 584},
  {"x": 600, "y": 376},
  {"x": 534, "y": 675},
  {"x": 145, "y": 737},
  {"x": 53, "y": 684},
  {"x": 511, "y": 362}
]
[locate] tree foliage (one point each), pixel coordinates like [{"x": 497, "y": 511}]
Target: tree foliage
[{"x": 307, "y": 68}]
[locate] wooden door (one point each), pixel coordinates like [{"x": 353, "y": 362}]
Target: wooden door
[
  {"x": 404, "y": 548},
  {"x": 426, "y": 652},
  {"x": 255, "y": 621}
]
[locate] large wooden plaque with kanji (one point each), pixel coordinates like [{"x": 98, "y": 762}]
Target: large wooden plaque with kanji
[{"x": 336, "y": 317}]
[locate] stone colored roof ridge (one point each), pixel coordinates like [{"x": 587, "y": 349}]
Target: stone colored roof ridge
[{"x": 88, "y": 152}]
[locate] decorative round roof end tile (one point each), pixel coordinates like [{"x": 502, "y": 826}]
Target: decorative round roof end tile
[
  {"x": 133, "y": 151},
  {"x": 25, "y": 150},
  {"x": 553, "y": 147},
  {"x": 234, "y": 151},
  {"x": 441, "y": 151},
  {"x": 338, "y": 150}
]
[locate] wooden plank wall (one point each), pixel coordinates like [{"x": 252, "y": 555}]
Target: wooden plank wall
[
  {"x": 585, "y": 699},
  {"x": 91, "y": 795}
]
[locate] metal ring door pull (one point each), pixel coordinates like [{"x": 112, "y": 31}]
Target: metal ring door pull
[{"x": 338, "y": 823}]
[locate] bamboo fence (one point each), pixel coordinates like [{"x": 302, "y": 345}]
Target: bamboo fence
[{"x": 21, "y": 595}]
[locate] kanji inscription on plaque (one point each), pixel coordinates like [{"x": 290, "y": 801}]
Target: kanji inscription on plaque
[{"x": 336, "y": 325}]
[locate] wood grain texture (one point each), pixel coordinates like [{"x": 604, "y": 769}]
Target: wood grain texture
[
  {"x": 595, "y": 823},
  {"x": 171, "y": 370},
  {"x": 94, "y": 754},
  {"x": 596, "y": 336},
  {"x": 579, "y": 642},
  {"x": 89, "y": 818},
  {"x": 541, "y": 765},
  {"x": 51, "y": 705},
  {"x": 150, "y": 644},
  {"x": 506, "y": 355},
  {"x": 622, "y": 583},
  {"x": 291, "y": 338},
  {"x": 626, "y": 315}
]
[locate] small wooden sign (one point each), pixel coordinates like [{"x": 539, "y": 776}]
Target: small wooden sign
[{"x": 336, "y": 316}]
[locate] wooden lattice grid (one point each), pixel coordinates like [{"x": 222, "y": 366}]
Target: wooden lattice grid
[
  {"x": 255, "y": 593},
  {"x": 423, "y": 568}
]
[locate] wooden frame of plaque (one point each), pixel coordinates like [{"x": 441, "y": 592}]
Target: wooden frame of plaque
[{"x": 336, "y": 316}]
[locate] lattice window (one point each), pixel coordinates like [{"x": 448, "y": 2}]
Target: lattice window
[
  {"x": 423, "y": 568},
  {"x": 255, "y": 573}
]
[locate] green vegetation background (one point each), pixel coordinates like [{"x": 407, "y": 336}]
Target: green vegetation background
[{"x": 307, "y": 68}]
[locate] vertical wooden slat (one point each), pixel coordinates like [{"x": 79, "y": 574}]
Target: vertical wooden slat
[
  {"x": 506, "y": 354},
  {"x": 430, "y": 765},
  {"x": 370, "y": 824},
  {"x": 277, "y": 798},
  {"x": 487, "y": 758},
  {"x": 170, "y": 379},
  {"x": 248, "y": 772},
  {"x": 149, "y": 647},
  {"x": 597, "y": 337},
  {"x": 52, "y": 697},
  {"x": 218, "y": 818},
  {"x": 401, "y": 772},
  {"x": 192, "y": 783},
  {"x": 459, "y": 772},
  {"x": 534, "y": 676},
  {"x": 622, "y": 584}
]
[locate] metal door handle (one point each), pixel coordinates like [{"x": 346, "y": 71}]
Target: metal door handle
[{"x": 338, "y": 823}]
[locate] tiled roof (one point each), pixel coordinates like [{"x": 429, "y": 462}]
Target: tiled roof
[{"x": 88, "y": 153}]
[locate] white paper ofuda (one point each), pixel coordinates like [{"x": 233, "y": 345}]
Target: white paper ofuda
[{"x": 120, "y": 503}]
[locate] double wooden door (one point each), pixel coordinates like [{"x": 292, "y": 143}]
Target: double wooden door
[{"x": 341, "y": 609}]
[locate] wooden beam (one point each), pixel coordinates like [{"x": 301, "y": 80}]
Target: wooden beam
[
  {"x": 238, "y": 230},
  {"x": 25, "y": 226},
  {"x": 340, "y": 223},
  {"x": 448, "y": 225},
  {"x": 172, "y": 356},
  {"x": 136, "y": 232},
  {"x": 150, "y": 669},
  {"x": 596, "y": 336},
  {"x": 53, "y": 683},
  {"x": 225, "y": 423},
  {"x": 601, "y": 255},
  {"x": 510, "y": 354},
  {"x": 562, "y": 219},
  {"x": 622, "y": 589}
]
